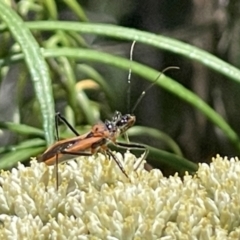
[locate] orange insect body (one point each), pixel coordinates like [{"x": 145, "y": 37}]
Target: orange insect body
[
  {"x": 95, "y": 141},
  {"x": 86, "y": 143},
  {"x": 80, "y": 144}
]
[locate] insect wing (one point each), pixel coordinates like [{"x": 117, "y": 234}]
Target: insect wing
[{"x": 76, "y": 145}]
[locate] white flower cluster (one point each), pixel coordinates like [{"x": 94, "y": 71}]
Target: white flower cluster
[{"x": 94, "y": 200}]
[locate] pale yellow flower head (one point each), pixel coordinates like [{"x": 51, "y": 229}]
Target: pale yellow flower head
[{"x": 96, "y": 201}]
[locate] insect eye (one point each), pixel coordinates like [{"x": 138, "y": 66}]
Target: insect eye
[
  {"x": 122, "y": 121},
  {"x": 117, "y": 116},
  {"x": 109, "y": 125},
  {"x": 126, "y": 118}
]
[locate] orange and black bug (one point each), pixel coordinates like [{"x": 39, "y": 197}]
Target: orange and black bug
[
  {"x": 98, "y": 138},
  {"x": 86, "y": 145}
]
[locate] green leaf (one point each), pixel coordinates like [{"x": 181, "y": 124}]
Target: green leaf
[
  {"x": 172, "y": 160},
  {"x": 21, "y": 129},
  {"x": 36, "y": 65},
  {"x": 159, "y": 135},
  {"x": 161, "y": 42},
  {"x": 12, "y": 158},
  {"x": 91, "y": 72},
  {"x": 32, "y": 143},
  {"x": 77, "y": 9}
]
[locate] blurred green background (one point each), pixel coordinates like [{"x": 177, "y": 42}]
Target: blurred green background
[{"x": 73, "y": 57}]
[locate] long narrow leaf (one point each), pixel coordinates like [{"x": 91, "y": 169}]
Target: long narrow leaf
[
  {"x": 158, "y": 135},
  {"x": 77, "y": 9},
  {"x": 33, "y": 143},
  {"x": 36, "y": 65},
  {"x": 172, "y": 160},
  {"x": 152, "y": 39},
  {"x": 12, "y": 158},
  {"x": 21, "y": 129}
]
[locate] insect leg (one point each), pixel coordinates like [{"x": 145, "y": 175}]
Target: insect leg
[
  {"x": 58, "y": 116},
  {"x": 134, "y": 146},
  {"x": 141, "y": 159},
  {"x": 56, "y": 163},
  {"x": 117, "y": 162},
  {"x": 76, "y": 153},
  {"x": 107, "y": 151}
]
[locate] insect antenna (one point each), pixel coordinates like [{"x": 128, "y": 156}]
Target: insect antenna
[
  {"x": 139, "y": 146},
  {"x": 150, "y": 86},
  {"x": 129, "y": 77}
]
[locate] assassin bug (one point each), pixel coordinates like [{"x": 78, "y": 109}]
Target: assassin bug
[
  {"x": 85, "y": 145},
  {"x": 98, "y": 138}
]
